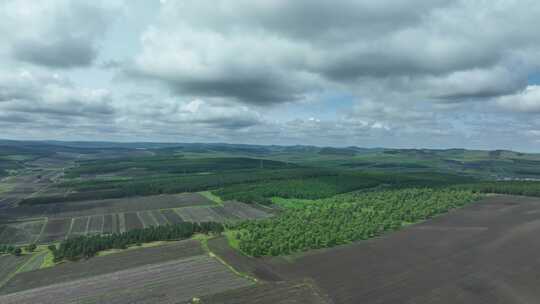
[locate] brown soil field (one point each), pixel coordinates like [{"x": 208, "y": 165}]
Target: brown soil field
[
  {"x": 110, "y": 224},
  {"x": 132, "y": 221},
  {"x": 168, "y": 282},
  {"x": 484, "y": 253},
  {"x": 95, "y": 226},
  {"x": 70, "y": 271},
  {"x": 268, "y": 293},
  {"x": 147, "y": 219},
  {"x": 196, "y": 214},
  {"x": 21, "y": 232},
  {"x": 244, "y": 211},
  {"x": 9, "y": 264},
  {"x": 171, "y": 216},
  {"x": 55, "y": 229},
  {"x": 253, "y": 267},
  {"x": 161, "y": 220},
  {"x": 79, "y": 226}
]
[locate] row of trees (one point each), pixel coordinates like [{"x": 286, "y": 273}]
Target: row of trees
[
  {"x": 527, "y": 188},
  {"x": 345, "y": 218},
  {"x": 17, "y": 251},
  {"x": 88, "y": 246}
]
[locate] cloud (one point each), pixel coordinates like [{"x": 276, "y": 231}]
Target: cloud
[
  {"x": 195, "y": 114},
  {"x": 55, "y": 34},
  {"x": 270, "y": 52},
  {"x": 527, "y": 101},
  {"x": 402, "y": 73},
  {"x": 51, "y": 96}
]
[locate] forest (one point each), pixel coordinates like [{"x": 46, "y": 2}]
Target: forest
[
  {"x": 345, "y": 218},
  {"x": 327, "y": 186},
  {"x": 104, "y": 189}
]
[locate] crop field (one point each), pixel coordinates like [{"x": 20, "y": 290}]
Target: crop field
[
  {"x": 255, "y": 267},
  {"x": 147, "y": 219},
  {"x": 101, "y": 265},
  {"x": 9, "y": 264},
  {"x": 268, "y": 293},
  {"x": 79, "y": 226},
  {"x": 167, "y": 282},
  {"x": 194, "y": 214},
  {"x": 55, "y": 230},
  {"x": 25, "y": 232},
  {"x": 110, "y": 224},
  {"x": 484, "y": 253},
  {"x": 244, "y": 211},
  {"x": 21, "y": 232},
  {"x": 95, "y": 225},
  {"x": 159, "y": 217},
  {"x": 132, "y": 221},
  {"x": 171, "y": 216}
]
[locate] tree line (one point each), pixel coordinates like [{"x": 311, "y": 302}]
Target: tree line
[{"x": 88, "y": 246}]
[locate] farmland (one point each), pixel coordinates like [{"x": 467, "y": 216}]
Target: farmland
[
  {"x": 177, "y": 280},
  {"x": 448, "y": 259},
  {"x": 270, "y": 225},
  {"x": 57, "y": 229},
  {"x": 101, "y": 265}
]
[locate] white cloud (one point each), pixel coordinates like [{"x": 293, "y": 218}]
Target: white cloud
[{"x": 527, "y": 100}]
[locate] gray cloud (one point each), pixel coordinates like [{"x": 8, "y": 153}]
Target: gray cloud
[
  {"x": 268, "y": 52},
  {"x": 56, "y": 34},
  {"x": 430, "y": 73},
  {"x": 51, "y": 96},
  {"x": 59, "y": 54}
]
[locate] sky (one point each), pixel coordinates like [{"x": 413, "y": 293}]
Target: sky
[{"x": 367, "y": 73}]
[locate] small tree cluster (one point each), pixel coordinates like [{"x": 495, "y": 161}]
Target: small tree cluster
[{"x": 16, "y": 251}]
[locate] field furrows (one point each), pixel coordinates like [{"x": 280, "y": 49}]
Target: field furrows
[
  {"x": 55, "y": 229},
  {"x": 132, "y": 221},
  {"x": 268, "y": 293},
  {"x": 171, "y": 216},
  {"x": 58, "y": 228},
  {"x": 21, "y": 232},
  {"x": 167, "y": 282},
  {"x": 195, "y": 214},
  {"x": 147, "y": 219},
  {"x": 160, "y": 219},
  {"x": 96, "y": 224},
  {"x": 67, "y": 272},
  {"x": 79, "y": 226},
  {"x": 9, "y": 264},
  {"x": 225, "y": 213},
  {"x": 244, "y": 211}
]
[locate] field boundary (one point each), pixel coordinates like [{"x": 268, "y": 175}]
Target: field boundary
[{"x": 204, "y": 245}]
